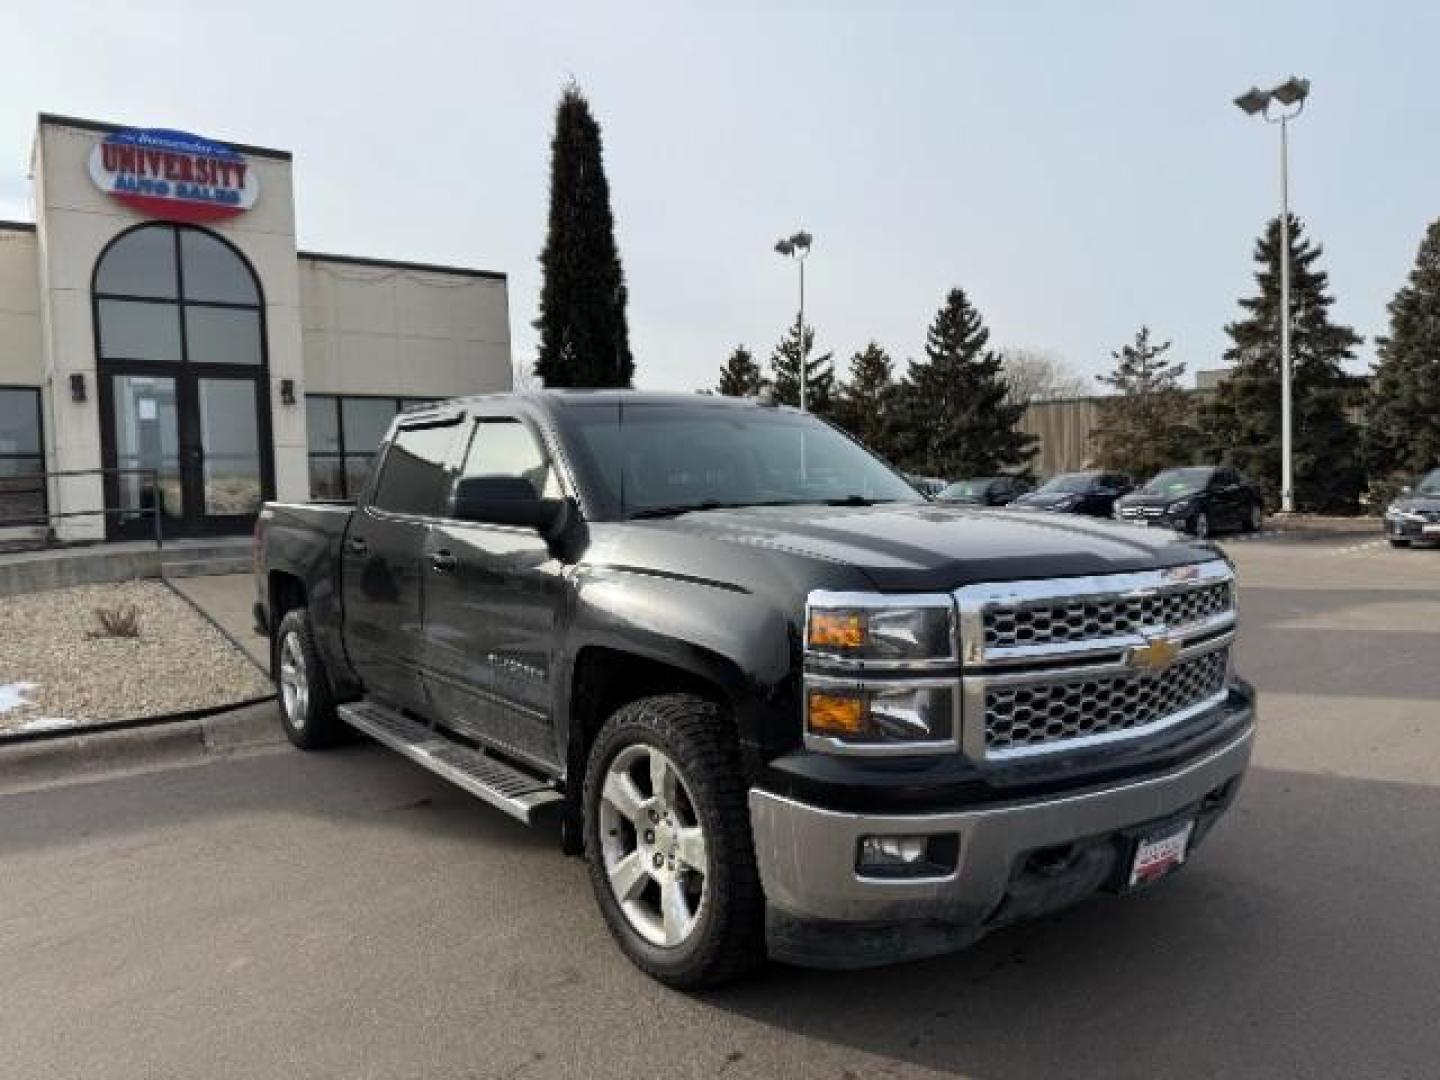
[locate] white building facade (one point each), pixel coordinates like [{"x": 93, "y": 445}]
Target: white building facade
[{"x": 166, "y": 346}]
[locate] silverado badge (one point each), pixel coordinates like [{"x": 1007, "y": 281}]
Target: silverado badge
[{"x": 1154, "y": 656}]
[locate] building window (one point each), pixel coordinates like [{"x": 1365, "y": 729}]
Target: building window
[
  {"x": 22, "y": 457},
  {"x": 172, "y": 295},
  {"x": 344, "y": 433}
]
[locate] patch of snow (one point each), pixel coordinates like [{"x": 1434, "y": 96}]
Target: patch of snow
[
  {"x": 43, "y": 723},
  {"x": 12, "y": 695}
]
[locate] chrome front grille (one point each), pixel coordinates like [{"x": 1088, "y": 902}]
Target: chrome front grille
[
  {"x": 1089, "y": 617},
  {"x": 1051, "y": 665},
  {"x": 1037, "y": 714}
]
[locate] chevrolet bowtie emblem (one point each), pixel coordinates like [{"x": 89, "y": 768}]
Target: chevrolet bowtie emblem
[{"x": 1154, "y": 656}]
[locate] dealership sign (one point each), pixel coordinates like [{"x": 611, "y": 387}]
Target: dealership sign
[{"x": 172, "y": 175}]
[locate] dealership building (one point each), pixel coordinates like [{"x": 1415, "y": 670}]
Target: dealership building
[{"x": 165, "y": 344}]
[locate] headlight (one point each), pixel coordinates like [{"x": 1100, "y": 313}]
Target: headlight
[
  {"x": 863, "y": 630},
  {"x": 896, "y": 716},
  {"x": 849, "y": 637},
  {"x": 1181, "y": 506}
]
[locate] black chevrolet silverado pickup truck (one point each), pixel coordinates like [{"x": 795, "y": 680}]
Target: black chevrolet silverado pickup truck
[{"x": 781, "y": 703}]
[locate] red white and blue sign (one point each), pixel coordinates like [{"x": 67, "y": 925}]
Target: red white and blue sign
[{"x": 173, "y": 175}]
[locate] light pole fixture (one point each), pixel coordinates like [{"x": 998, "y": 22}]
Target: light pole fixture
[
  {"x": 797, "y": 247},
  {"x": 1289, "y": 99}
]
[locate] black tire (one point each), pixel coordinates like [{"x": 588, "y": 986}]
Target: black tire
[
  {"x": 1398, "y": 541},
  {"x": 1200, "y": 526},
  {"x": 312, "y": 723},
  {"x": 1254, "y": 518},
  {"x": 727, "y": 938}
]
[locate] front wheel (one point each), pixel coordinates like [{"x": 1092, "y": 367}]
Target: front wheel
[
  {"x": 1200, "y": 527},
  {"x": 1398, "y": 541},
  {"x": 667, "y": 837},
  {"x": 1253, "y": 519}
]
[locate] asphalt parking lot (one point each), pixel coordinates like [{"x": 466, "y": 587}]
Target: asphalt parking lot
[{"x": 344, "y": 914}]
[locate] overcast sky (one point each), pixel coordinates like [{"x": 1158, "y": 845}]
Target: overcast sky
[{"x": 1076, "y": 167}]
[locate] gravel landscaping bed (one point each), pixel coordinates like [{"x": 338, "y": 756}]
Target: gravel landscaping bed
[{"x": 57, "y": 668}]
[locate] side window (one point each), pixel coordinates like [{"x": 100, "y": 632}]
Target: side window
[
  {"x": 508, "y": 448},
  {"x": 413, "y": 479}
]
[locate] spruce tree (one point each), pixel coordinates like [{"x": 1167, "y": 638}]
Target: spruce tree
[
  {"x": 1241, "y": 423},
  {"x": 741, "y": 375},
  {"x": 955, "y": 417},
  {"x": 819, "y": 373},
  {"x": 1402, "y": 410},
  {"x": 584, "y": 339},
  {"x": 867, "y": 398},
  {"x": 1150, "y": 422}
]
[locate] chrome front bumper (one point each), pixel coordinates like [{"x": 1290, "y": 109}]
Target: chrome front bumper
[{"x": 807, "y": 855}]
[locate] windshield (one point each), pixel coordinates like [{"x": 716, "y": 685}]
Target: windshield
[
  {"x": 965, "y": 489},
  {"x": 657, "y": 459},
  {"x": 1178, "y": 482},
  {"x": 1067, "y": 484},
  {"x": 1429, "y": 484}
]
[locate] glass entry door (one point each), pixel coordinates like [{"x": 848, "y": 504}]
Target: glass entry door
[{"x": 204, "y": 435}]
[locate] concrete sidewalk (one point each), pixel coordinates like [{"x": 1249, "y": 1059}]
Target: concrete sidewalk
[{"x": 226, "y": 600}]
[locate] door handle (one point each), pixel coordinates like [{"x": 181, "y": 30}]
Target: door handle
[
  {"x": 444, "y": 562},
  {"x": 358, "y": 545}
]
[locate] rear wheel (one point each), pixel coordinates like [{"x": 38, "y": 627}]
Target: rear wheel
[
  {"x": 307, "y": 711},
  {"x": 1254, "y": 518},
  {"x": 1398, "y": 541},
  {"x": 667, "y": 837}
]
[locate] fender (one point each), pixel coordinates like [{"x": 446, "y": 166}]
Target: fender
[{"x": 718, "y": 632}]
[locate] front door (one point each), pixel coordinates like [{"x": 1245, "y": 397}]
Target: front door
[
  {"x": 193, "y": 443},
  {"x": 183, "y": 384},
  {"x": 493, "y": 596}
]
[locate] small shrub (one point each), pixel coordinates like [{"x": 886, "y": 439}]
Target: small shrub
[{"x": 121, "y": 621}]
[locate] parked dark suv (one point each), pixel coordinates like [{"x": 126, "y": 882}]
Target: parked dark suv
[
  {"x": 985, "y": 490},
  {"x": 1414, "y": 518},
  {"x": 1092, "y": 493},
  {"x": 1201, "y": 500}
]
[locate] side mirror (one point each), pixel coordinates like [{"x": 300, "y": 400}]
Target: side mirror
[{"x": 505, "y": 500}]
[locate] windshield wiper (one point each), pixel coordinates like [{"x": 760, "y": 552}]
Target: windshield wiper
[
  {"x": 680, "y": 508},
  {"x": 857, "y": 500}
]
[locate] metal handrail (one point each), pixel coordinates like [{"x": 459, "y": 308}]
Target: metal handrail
[{"x": 156, "y": 509}]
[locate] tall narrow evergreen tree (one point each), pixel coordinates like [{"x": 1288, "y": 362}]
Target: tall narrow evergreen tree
[
  {"x": 866, "y": 400},
  {"x": 1402, "y": 411},
  {"x": 741, "y": 376},
  {"x": 1149, "y": 423},
  {"x": 955, "y": 414},
  {"x": 819, "y": 373},
  {"x": 1242, "y": 423},
  {"x": 584, "y": 338}
]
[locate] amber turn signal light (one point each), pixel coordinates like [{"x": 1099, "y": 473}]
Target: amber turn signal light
[
  {"x": 836, "y": 630},
  {"x": 836, "y": 715}
]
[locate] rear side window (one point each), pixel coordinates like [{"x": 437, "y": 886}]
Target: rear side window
[
  {"x": 508, "y": 448},
  {"x": 414, "y": 479}
]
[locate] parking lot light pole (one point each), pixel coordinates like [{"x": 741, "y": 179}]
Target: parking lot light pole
[
  {"x": 1293, "y": 91},
  {"x": 797, "y": 247}
]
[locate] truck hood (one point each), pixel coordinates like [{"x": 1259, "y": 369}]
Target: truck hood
[{"x": 933, "y": 547}]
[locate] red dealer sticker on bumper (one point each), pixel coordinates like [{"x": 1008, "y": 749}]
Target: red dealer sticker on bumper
[{"x": 1156, "y": 856}]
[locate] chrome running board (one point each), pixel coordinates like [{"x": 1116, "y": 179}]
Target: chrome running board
[{"x": 483, "y": 775}]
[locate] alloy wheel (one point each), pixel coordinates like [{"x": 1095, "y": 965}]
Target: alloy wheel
[
  {"x": 653, "y": 845},
  {"x": 294, "y": 681}
]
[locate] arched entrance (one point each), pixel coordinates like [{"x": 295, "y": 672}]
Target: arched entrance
[{"x": 180, "y": 351}]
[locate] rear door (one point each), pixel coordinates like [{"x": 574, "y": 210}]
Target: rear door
[
  {"x": 383, "y": 578},
  {"x": 493, "y": 602}
]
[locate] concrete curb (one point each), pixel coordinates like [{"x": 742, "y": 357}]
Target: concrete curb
[{"x": 70, "y": 756}]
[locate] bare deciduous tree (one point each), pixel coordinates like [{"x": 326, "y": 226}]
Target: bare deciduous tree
[{"x": 1038, "y": 375}]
